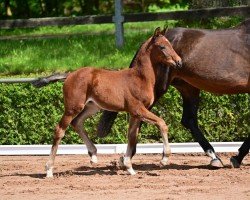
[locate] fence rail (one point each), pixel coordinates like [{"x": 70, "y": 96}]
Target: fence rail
[
  {"x": 189, "y": 14},
  {"x": 54, "y": 21},
  {"x": 140, "y": 17},
  {"x": 18, "y": 80},
  {"x": 192, "y": 147}
]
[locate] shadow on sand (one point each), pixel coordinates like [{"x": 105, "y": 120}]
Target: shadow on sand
[{"x": 113, "y": 169}]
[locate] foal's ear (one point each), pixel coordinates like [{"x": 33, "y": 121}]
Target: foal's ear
[
  {"x": 164, "y": 30},
  {"x": 157, "y": 32}
]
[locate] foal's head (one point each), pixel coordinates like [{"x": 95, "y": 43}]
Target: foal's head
[{"x": 161, "y": 51}]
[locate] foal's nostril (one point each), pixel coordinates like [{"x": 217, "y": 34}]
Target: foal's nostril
[{"x": 178, "y": 64}]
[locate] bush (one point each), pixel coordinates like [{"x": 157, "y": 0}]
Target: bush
[{"x": 28, "y": 116}]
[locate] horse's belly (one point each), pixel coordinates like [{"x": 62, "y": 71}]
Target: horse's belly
[
  {"x": 108, "y": 98},
  {"x": 220, "y": 86}
]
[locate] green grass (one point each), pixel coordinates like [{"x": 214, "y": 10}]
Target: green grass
[
  {"x": 80, "y": 29},
  {"x": 87, "y": 45},
  {"x": 32, "y": 56},
  {"x": 85, "y": 29},
  {"x": 69, "y": 53}
]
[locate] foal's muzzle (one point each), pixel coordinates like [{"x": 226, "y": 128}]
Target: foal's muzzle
[{"x": 178, "y": 64}]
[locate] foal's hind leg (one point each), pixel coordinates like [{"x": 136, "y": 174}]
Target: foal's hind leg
[
  {"x": 89, "y": 110},
  {"x": 58, "y": 135}
]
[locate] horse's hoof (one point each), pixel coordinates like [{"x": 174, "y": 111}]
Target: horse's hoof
[
  {"x": 123, "y": 166},
  {"x": 164, "y": 161},
  {"x": 49, "y": 173},
  {"x": 216, "y": 163},
  {"x": 49, "y": 176},
  {"x": 234, "y": 162},
  {"x": 93, "y": 160},
  {"x": 131, "y": 171}
]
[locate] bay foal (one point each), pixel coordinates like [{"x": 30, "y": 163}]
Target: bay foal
[{"x": 88, "y": 90}]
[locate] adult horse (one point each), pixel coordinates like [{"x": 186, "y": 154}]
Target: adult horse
[
  {"x": 88, "y": 90},
  {"x": 217, "y": 61}
]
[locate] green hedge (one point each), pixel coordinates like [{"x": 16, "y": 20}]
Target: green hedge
[{"x": 28, "y": 116}]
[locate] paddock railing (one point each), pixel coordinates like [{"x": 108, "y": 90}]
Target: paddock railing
[
  {"x": 192, "y": 147},
  {"x": 18, "y": 80}
]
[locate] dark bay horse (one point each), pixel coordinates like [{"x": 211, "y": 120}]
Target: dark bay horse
[
  {"x": 217, "y": 61},
  {"x": 88, "y": 90}
]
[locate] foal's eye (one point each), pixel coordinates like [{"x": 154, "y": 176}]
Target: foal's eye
[{"x": 162, "y": 47}]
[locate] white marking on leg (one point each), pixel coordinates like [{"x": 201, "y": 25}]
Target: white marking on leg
[
  {"x": 94, "y": 159},
  {"x": 211, "y": 154},
  {"x": 215, "y": 162},
  {"x": 131, "y": 171},
  {"x": 164, "y": 160},
  {"x": 166, "y": 150},
  {"x": 127, "y": 163},
  {"x": 49, "y": 171}
]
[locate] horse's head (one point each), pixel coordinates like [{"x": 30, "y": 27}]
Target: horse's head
[{"x": 162, "y": 51}]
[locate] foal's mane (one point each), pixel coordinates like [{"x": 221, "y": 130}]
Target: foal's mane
[{"x": 142, "y": 48}]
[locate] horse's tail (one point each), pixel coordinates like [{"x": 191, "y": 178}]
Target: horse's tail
[
  {"x": 49, "y": 79},
  {"x": 106, "y": 122}
]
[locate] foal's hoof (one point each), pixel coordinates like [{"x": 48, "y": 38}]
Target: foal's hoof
[
  {"x": 234, "y": 162},
  {"x": 131, "y": 171},
  {"x": 216, "y": 163},
  {"x": 164, "y": 161},
  {"x": 49, "y": 173},
  {"x": 93, "y": 160},
  {"x": 124, "y": 166}
]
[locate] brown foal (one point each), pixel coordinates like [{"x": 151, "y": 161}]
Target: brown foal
[{"x": 88, "y": 90}]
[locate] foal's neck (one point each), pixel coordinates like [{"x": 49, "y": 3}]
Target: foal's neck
[{"x": 144, "y": 67}]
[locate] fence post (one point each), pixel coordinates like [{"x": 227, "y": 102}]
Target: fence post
[{"x": 118, "y": 19}]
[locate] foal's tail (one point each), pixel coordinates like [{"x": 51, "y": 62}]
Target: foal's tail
[{"x": 49, "y": 79}]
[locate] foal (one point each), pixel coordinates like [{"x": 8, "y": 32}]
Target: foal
[{"x": 88, "y": 90}]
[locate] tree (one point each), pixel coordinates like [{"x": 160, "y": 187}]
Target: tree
[
  {"x": 22, "y": 9},
  {"x": 216, "y": 3},
  {"x": 8, "y": 11}
]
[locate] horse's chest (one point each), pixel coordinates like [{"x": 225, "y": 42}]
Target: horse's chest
[{"x": 147, "y": 97}]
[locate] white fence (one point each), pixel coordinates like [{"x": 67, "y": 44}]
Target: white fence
[{"x": 116, "y": 148}]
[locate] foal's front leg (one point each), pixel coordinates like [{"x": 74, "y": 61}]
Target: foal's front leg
[
  {"x": 134, "y": 126},
  {"x": 149, "y": 117}
]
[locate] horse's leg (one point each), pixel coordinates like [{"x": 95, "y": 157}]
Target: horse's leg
[
  {"x": 243, "y": 151},
  {"x": 190, "y": 96},
  {"x": 134, "y": 126},
  {"x": 145, "y": 115},
  {"x": 77, "y": 124},
  {"x": 149, "y": 117},
  {"x": 58, "y": 135}
]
